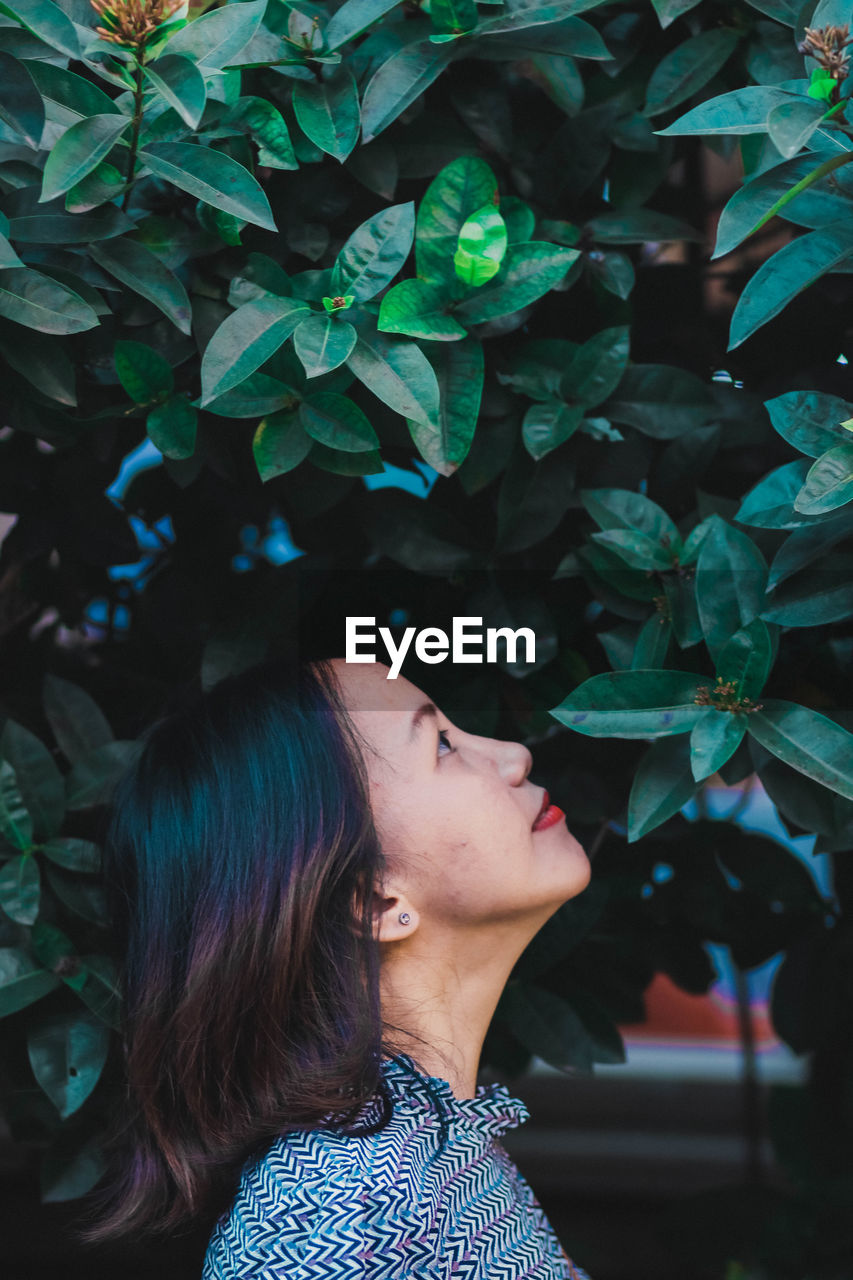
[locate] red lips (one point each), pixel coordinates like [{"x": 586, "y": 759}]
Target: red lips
[{"x": 548, "y": 814}]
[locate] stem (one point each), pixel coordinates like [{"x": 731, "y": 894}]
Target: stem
[
  {"x": 751, "y": 1090},
  {"x": 598, "y": 838},
  {"x": 138, "y": 93}
]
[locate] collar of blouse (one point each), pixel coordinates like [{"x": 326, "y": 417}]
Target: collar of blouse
[{"x": 492, "y": 1111}]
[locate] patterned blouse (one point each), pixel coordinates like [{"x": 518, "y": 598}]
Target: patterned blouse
[{"x": 395, "y": 1205}]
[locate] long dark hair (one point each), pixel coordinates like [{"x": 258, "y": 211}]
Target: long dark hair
[{"x": 239, "y": 862}]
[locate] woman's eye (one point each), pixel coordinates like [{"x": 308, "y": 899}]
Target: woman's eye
[{"x": 442, "y": 738}]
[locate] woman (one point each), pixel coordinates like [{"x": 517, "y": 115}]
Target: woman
[{"x": 324, "y": 885}]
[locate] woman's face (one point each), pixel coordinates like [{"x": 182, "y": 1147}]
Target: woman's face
[{"x": 455, "y": 811}]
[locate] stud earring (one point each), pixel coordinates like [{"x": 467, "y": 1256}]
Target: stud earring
[{"x": 404, "y": 917}]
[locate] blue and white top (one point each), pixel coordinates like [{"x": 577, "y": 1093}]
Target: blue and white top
[{"x": 393, "y": 1205}]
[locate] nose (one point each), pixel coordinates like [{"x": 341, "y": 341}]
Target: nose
[{"x": 514, "y": 761}]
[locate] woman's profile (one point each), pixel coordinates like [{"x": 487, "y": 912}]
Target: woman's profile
[{"x": 321, "y": 886}]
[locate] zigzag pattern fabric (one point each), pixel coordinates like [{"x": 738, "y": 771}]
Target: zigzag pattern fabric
[{"x": 399, "y": 1204}]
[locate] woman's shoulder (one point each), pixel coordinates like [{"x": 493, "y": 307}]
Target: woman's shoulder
[{"x": 312, "y": 1199}]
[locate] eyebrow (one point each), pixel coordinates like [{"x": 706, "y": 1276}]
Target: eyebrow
[{"x": 428, "y": 709}]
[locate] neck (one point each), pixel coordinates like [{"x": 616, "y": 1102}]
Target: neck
[{"x": 438, "y": 997}]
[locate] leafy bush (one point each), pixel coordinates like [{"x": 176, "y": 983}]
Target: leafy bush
[{"x": 295, "y": 246}]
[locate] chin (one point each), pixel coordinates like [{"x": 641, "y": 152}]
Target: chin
[{"x": 581, "y": 873}]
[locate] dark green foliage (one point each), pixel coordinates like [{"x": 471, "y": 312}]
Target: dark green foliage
[{"x": 295, "y": 245}]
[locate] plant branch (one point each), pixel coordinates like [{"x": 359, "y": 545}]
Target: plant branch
[{"x": 138, "y": 94}]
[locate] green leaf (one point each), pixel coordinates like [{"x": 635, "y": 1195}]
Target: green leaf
[
  {"x": 829, "y": 483},
  {"x": 688, "y": 67},
  {"x": 662, "y": 785},
  {"x": 70, "y": 93},
  {"x": 180, "y": 83},
  {"x": 547, "y": 425},
  {"x": 822, "y": 594},
  {"x": 280, "y": 443},
  {"x": 746, "y": 659},
  {"x": 791, "y": 124},
  {"x": 786, "y": 273},
  {"x": 337, "y": 422},
  {"x": 399, "y": 374},
  {"x": 661, "y": 400},
  {"x": 374, "y": 253},
  {"x": 519, "y": 218},
  {"x": 20, "y": 888},
  {"x": 731, "y": 577},
  {"x": 823, "y": 83},
  {"x": 453, "y": 16},
  {"x": 805, "y": 545},
  {"x": 669, "y": 10},
  {"x": 38, "y": 302},
  {"x": 784, "y": 11},
  {"x": 632, "y": 704},
  {"x": 770, "y": 503},
  {"x": 93, "y": 776},
  {"x": 77, "y": 721},
  {"x": 80, "y": 897},
  {"x": 268, "y": 131},
  {"x": 548, "y": 1026},
  {"x": 78, "y": 151},
  {"x": 100, "y": 989},
  {"x": 624, "y": 509},
  {"x": 652, "y": 644},
  {"x": 219, "y": 223},
  {"x": 639, "y": 226},
  {"x": 211, "y": 176},
  {"x": 21, "y": 105},
  {"x": 65, "y": 228},
  {"x": 713, "y": 740},
  {"x": 322, "y": 343},
  {"x": 47, "y": 21},
  {"x": 598, "y": 366},
  {"x": 69, "y": 1168},
  {"x": 741, "y": 111},
  {"x": 353, "y": 17},
  {"x": 775, "y": 190},
  {"x": 38, "y": 779},
  {"x": 809, "y": 420},
  {"x": 398, "y": 82},
  {"x": 215, "y": 39},
  {"x": 523, "y": 14},
  {"x": 481, "y": 246},
  {"x": 419, "y": 309},
  {"x": 8, "y": 257},
  {"x": 327, "y": 111},
  {"x": 103, "y": 184},
  {"x": 637, "y": 549},
  {"x": 143, "y": 272},
  {"x": 459, "y": 371},
  {"x": 142, "y": 371},
  {"x": 808, "y": 741},
  {"x": 21, "y": 981},
  {"x": 67, "y": 1053},
  {"x": 461, "y": 187},
  {"x": 614, "y": 270},
  {"x": 680, "y": 596},
  {"x": 528, "y": 271},
  {"x": 257, "y": 395},
  {"x": 258, "y": 276},
  {"x": 171, "y": 426},
  {"x": 245, "y": 340},
  {"x": 73, "y": 853}
]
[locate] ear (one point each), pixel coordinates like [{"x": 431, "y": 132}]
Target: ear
[{"x": 387, "y": 909}]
